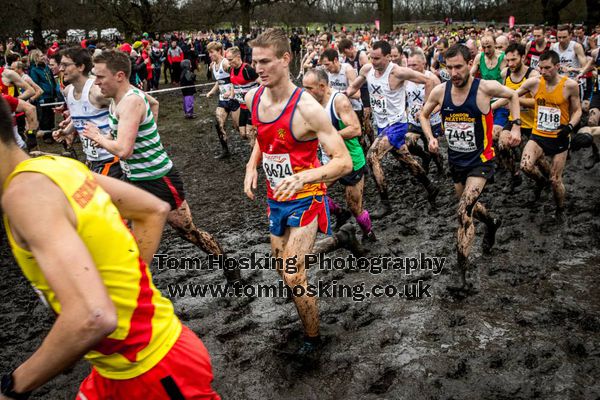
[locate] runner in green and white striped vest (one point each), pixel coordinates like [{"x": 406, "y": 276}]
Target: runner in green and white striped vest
[{"x": 149, "y": 159}]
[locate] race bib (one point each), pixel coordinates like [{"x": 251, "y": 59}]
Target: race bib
[
  {"x": 323, "y": 157},
  {"x": 535, "y": 60},
  {"x": 548, "y": 119},
  {"x": 444, "y": 75},
  {"x": 125, "y": 168},
  {"x": 461, "y": 136},
  {"x": 239, "y": 96},
  {"x": 277, "y": 167},
  {"x": 88, "y": 147},
  {"x": 378, "y": 104}
]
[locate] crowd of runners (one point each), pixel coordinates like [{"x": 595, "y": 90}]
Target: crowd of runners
[{"x": 85, "y": 234}]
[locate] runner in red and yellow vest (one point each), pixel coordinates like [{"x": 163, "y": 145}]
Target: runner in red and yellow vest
[
  {"x": 9, "y": 90},
  {"x": 148, "y": 353}
]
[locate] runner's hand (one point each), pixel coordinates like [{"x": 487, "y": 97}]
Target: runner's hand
[
  {"x": 515, "y": 136},
  {"x": 58, "y": 135},
  {"x": 250, "y": 182},
  {"x": 434, "y": 146},
  {"x": 288, "y": 187},
  {"x": 565, "y": 130},
  {"x": 92, "y": 132}
]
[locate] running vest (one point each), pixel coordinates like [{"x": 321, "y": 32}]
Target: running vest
[
  {"x": 82, "y": 111},
  {"x": 149, "y": 159},
  {"x": 493, "y": 74},
  {"x": 443, "y": 72},
  {"x": 224, "y": 80},
  {"x": 353, "y": 145},
  {"x": 282, "y": 154},
  {"x": 339, "y": 82},
  {"x": 467, "y": 129},
  {"x": 364, "y": 90},
  {"x": 551, "y": 109},
  {"x": 147, "y": 327},
  {"x": 568, "y": 58},
  {"x": 527, "y": 114},
  {"x": 389, "y": 106},
  {"x": 533, "y": 56},
  {"x": 415, "y": 99},
  {"x": 9, "y": 90},
  {"x": 241, "y": 86}
]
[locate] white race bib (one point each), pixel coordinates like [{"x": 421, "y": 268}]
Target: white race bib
[
  {"x": 277, "y": 167},
  {"x": 548, "y": 119},
  {"x": 125, "y": 168},
  {"x": 88, "y": 148},
  {"x": 444, "y": 75},
  {"x": 535, "y": 60},
  {"x": 378, "y": 104},
  {"x": 461, "y": 136},
  {"x": 239, "y": 96}
]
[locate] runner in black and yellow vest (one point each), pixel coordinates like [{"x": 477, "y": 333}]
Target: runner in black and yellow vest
[
  {"x": 557, "y": 111},
  {"x": 513, "y": 77},
  {"x": 70, "y": 241}
]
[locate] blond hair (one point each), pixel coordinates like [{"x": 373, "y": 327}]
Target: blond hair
[
  {"x": 216, "y": 46},
  {"x": 274, "y": 38}
]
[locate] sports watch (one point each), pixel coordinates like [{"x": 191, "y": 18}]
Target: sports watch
[
  {"x": 7, "y": 386},
  {"x": 517, "y": 122}
]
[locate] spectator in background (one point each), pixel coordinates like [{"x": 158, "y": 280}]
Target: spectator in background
[
  {"x": 175, "y": 57},
  {"x": 188, "y": 80},
  {"x": 157, "y": 58},
  {"x": 42, "y": 75}
]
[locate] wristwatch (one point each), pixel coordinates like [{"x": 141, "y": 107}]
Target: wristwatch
[
  {"x": 7, "y": 386},
  {"x": 517, "y": 121}
]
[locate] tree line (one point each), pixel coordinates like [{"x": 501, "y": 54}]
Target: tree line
[{"x": 135, "y": 16}]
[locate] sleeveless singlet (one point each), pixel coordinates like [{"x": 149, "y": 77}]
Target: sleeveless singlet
[
  {"x": 282, "y": 154},
  {"x": 415, "y": 100},
  {"x": 491, "y": 74},
  {"x": 147, "y": 327},
  {"x": 224, "y": 80},
  {"x": 241, "y": 86},
  {"x": 389, "y": 106},
  {"x": 339, "y": 82},
  {"x": 568, "y": 58},
  {"x": 353, "y": 145},
  {"x": 527, "y": 115},
  {"x": 533, "y": 57},
  {"x": 149, "y": 159},
  {"x": 82, "y": 111},
  {"x": 467, "y": 129},
  {"x": 551, "y": 109}
]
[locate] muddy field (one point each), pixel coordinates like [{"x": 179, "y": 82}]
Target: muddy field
[{"x": 532, "y": 331}]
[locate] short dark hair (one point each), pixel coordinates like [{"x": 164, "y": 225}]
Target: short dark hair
[
  {"x": 518, "y": 47},
  {"x": 443, "y": 41},
  {"x": 330, "y": 54},
  {"x": 539, "y": 27},
  {"x": 6, "y": 123},
  {"x": 457, "y": 49},
  {"x": 345, "y": 44},
  {"x": 385, "y": 47},
  {"x": 550, "y": 55},
  {"x": 115, "y": 61},
  {"x": 80, "y": 56},
  {"x": 564, "y": 27}
]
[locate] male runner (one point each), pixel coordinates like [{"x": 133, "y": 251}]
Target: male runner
[
  {"x": 70, "y": 242},
  {"x": 135, "y": 140},
  {"x": 287, "y": 147},
  {"x": 11, "y": 84},
  {"x": 438, "y": 64},
  {"x": 557, "y": 111},
  {"x": 571, "y": 54},
  {"x": 86, "y": 104},
  {"x": 358, "y": 58},
  {"x": 594, "y": 113},
  {"x": 387, "y": 90},
  {"x": 489, "y": 65},
  {"x": 415, "y": 94},
  {"x": 537, "y": 46},
  {"x": 468, "y": 129},
  {"x": 18, "y": 106},
  {"x": 227, "y": 105},
  {"x": 514, "y": 76},
  {"x": 243, "y": 78},
  {"x": 340, "y": 111}
]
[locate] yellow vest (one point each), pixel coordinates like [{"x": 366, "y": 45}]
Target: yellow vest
[
  {"x": 551, "y": 109},
  {"x": 147, "y": 327},
  {"x": 527, "y": 115}
]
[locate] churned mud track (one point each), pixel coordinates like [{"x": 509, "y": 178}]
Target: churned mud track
[{"x": 531, "y": 331}]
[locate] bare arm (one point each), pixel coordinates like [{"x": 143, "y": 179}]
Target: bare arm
[
  {"x": 147, "y": 213},
  {"x": 28, "y": 90},
  {"x": 407, "y": 74},
  {"x": 589, "y": 64},
  {"x": 475, "y": 66},
  {"x": 30, "y": 114},
  {"x": 343, "y": 107},
  {"x": 495, "y": 89},
  {"x": 359, "y": 81},
  {"x": 351, "y": 76},
  {"x": 580, "y": 54},
  {"x": 154, "y": 105},
  {"x": 42, "y": 219},
  {"x": 574, "y": 102},
  {"x": 251, "y": 177},
  {"x": 38, "y": 90},
  {"x": 132, "y": 111},
  {"x": 434, "y": 101}
]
